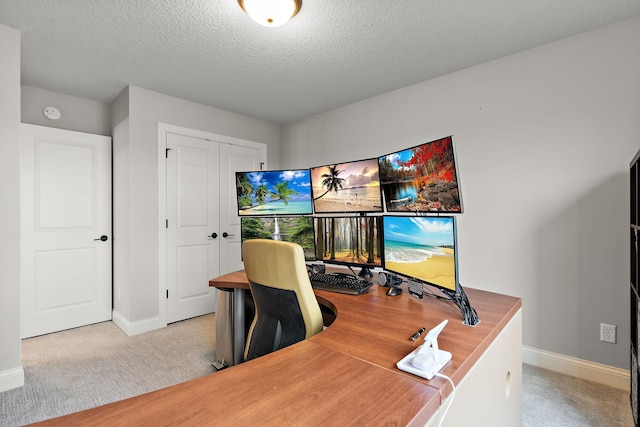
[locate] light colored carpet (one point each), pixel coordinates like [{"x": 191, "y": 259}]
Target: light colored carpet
[
  {"x": 551, "y": 399},
  {"x": 89, "y": 366},
  {"x": 97, "y": 364}
]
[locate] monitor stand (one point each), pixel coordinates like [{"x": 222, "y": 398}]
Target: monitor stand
[
  {"x": 366, "y": 273},
  {"x": 460, "y": 299}
]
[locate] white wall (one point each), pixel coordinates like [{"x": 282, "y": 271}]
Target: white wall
[
  {"x": 11, "y": 372},
  {"x": 121, "y": 206},
  {"x": 78, "y": 114},
  {"x": 135, "y": 117},
  {"x": 544, "y": 139}
]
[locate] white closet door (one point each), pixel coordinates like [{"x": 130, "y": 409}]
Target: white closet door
[
  {"x": 65, "y": 229},
  {"x": 193, "y": 234},
  {"x": 203, "y": 227},
  {"x": 234, "y": 158}
]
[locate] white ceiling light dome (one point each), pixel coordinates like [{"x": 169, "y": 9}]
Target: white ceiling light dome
[{"x": 271, "y": 13}]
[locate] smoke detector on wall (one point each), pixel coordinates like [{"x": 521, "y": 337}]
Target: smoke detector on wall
[{"x": 52, "y": 113}]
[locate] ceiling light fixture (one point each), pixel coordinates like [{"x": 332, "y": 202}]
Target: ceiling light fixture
[{"x": 271, "y": 13}]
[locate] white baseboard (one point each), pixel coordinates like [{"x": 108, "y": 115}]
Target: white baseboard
[
  {"x": 137, "y": 327},
  {"x": 12, "y": 378},
  {"x": 596, "y": 372}
]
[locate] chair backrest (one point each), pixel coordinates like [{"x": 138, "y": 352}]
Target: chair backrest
[{"x": 286, "y": 308}]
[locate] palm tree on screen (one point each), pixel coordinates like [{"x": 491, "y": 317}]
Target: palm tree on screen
[
  {"x": 244, "y": 189},
  {"x": 283, "y": 192},
  {"x": 331, "y": 181},
  {"x": 261, "y": 193}
]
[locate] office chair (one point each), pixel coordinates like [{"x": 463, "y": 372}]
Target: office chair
[{"x": 286, "y": 308}]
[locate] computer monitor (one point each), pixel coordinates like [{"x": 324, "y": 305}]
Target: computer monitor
[
  {"x": 289, "y": 229},
  {"x": 279, "y": 192},
  {"x": 346, "y": 187},
  {"x": 353, "y": 241},
  {"x": 421, "y": 179},
  {"x": 422, "y": 248}
]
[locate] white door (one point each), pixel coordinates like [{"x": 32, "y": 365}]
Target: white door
[
  {"x": 65, "y": 229},
  {"x": 203, "y": 228},
  {"x": 234, "y": 158},
  {"x": 193, "y": 233}
]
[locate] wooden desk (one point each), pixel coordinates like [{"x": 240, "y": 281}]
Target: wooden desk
[{"x": 347, "y": 374}]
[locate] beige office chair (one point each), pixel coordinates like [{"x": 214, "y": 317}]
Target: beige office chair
[{"x": 286, "y": 308}]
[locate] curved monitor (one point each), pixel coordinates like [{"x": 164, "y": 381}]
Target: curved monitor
[
  {"x": 421, "y": 179},
  {"x": 353, "y": 241},
  {"x": 422, "y": 248},
  {"x": 346, "y": 187},
  {"x": 280, "y": 192},
  {"x": 289, "y": 229}
]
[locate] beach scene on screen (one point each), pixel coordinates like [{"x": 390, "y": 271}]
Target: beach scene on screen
[
  {"x": 347, "y": 187},
  {"x": 422, "y": 248},
  {"x": 274, "y": 193}
]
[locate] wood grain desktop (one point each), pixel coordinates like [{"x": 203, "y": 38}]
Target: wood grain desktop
[{"x": 345, "y": 375}]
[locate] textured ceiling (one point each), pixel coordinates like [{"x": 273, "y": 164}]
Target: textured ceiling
[{"x": 334, "y": 52}]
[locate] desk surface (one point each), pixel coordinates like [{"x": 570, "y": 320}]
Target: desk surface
[{"x": 345, "y": 375}]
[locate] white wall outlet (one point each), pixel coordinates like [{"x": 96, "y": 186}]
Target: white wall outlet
[{"x": 608, "y": 333}]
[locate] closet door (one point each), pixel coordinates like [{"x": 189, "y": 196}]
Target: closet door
[
  {"x": 233, "y": 158},
  {"x": 193, "y": 232},
  {"x": 203, "y": 227}
]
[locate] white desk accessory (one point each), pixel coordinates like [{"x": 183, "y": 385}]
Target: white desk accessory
[{"x": 427, "y": 359}]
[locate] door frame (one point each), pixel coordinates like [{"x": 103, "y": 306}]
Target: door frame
[{"x": 163, "y": 130}]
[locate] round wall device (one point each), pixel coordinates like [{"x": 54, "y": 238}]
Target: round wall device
[{"x": 52, "y": 113}]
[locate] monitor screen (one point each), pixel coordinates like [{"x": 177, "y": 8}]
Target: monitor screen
[
  {"x": 283, "y": 192},
  {"x": 354, "y": 241},
  {"x": 421, "y": 179},
  {"x": 289, "y": 229},
  {"x": 346, "y": 187},
  {"x": 422, "y": 248}
]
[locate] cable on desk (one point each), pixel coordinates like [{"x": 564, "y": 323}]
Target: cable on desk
[
  {"x": 453, "y": 395},
  {"x": 458, "y": 297}
]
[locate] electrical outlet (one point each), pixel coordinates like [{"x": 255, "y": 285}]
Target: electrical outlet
[{"x": 608, "y": 333}]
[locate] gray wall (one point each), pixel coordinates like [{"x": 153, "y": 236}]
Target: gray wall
[
  {"x": 11, "y": 373},
  {"x": 79, "y": 114},
  {"x": 135, "y": 116},
  {"x": 544, "y": 139}
]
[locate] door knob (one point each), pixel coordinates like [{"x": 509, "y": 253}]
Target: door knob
[
  {"x": 225, "y": 234},
  {"x": 213, "y": 235},
  {"x": 103, "y": 238}
]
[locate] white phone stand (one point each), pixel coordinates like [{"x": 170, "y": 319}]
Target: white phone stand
[{"x": 427, "y": 359}]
